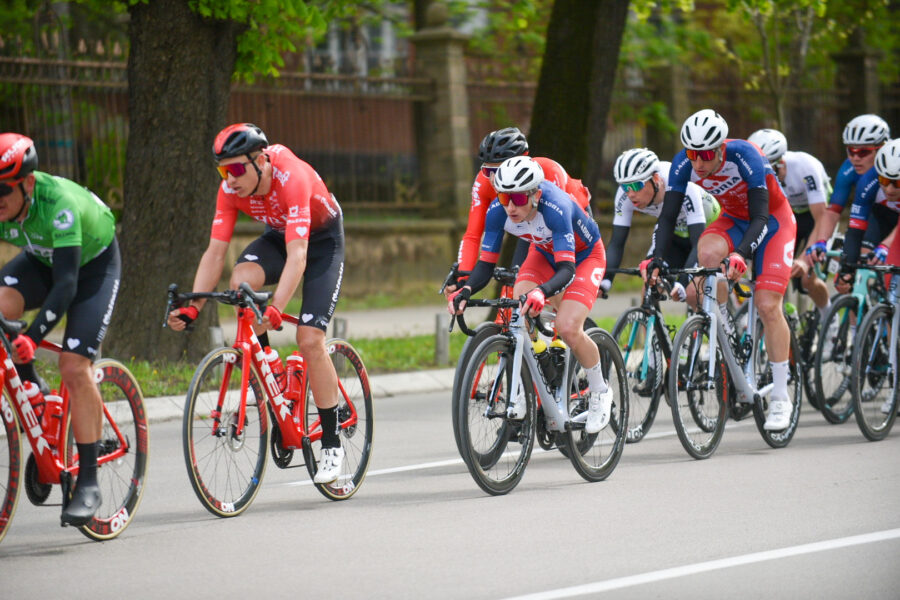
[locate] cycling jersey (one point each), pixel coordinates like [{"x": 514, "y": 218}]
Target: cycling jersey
[
  {"x": 805, "y": 181},
  {"x": 62, "y": 214},
  {"x": 483, "y": 194},
  {"x": 297, "y": 204},
  {"x": 872, "y": 216},
  {"x": 843, "y": 185}
]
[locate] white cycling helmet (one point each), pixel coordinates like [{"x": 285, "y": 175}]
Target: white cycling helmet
[
  {"x": 887, "y": 161},
  {"x": 771, "y": 141},
  {"x": 637, "y": 164},
  {"x": 866, "y": 130},
  {"x": 518, "y": 174},
  {"x": 704, "y": 130}
]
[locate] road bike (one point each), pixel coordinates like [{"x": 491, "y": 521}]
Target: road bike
[
  {"x": 496, "y": 448},
  {"x": 873, "y": 380},
  {"x": 45, "y": 423},
  {"x": 234, "y": 392},
  {"x": 707, "y": 364}
]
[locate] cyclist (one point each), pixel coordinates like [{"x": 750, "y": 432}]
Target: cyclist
[
  {"x": 69, "y": 265},
  {"x": 303, "y": 238},
  {"x": 862, "y": 136},
  {"x": 566, "y": 258},
  {"x": 496, "y": 147},
  {"x": 807, "y": 187},
  {"x": 756, "y": 221},
  {"x": 642, "y": 180}
]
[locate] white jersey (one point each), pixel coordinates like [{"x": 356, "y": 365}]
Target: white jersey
[
  {"x": 699, "y": 207},
  {"x": 806, "y": 181}
]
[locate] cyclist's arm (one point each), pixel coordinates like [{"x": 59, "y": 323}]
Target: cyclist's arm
[
  {"x": 482, "y": 194},
  {"x": 665, "y": 225},
  {"x": 294, "y": 267},
  {"x": 564, "y": 275},
  {"x": 758, "y": 210},
  {"x": 480, "y": 276},
  {"x": 209, "y": 271},
  {"x": 66, "y": 263},
  {"x": 616, "y": 249},
  {"x": 818, "y": 212}
]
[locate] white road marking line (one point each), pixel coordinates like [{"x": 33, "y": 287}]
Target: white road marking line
[{"x": 724, "y": 563}]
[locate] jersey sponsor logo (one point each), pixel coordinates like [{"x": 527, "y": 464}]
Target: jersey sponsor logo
[
  {"x": 570, "y": 238},
  {"x": 744, "y": 162},
  {"x": 293, "y": 211},
  {"x": 281, "y": 176},
  {"x": 64, "y": 219},
  {"x": 810, "y": 182},
  {"x": 788, "y": 254},
  {"x": 719, "y": 187},
  {"x": 302, "y": 230},
  {"x": 552, "y": 205},
  {"x": 12, "y": 234}
]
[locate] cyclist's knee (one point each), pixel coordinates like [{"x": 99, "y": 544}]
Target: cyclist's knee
[
  {"x": 74, "y": 368},
  {"x": 310, "y": 341},
  {"x": 250, "y": 272},
  {"x": 711, "y": 253},
  {"x": 769, "y": 304}
]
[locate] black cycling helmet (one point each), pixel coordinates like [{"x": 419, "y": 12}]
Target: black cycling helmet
[
  {"x": 238, "y": 140},
  {"x": 499, "y": 145}
]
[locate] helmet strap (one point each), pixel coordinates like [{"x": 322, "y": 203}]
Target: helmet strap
[
  {"x": 258, "y": 173},
  {"x": 655, "y": 187},
  {"x": 26, "y": 202}
]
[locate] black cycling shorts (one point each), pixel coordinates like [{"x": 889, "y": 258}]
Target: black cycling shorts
[
  {"x": 323, "y": 275},
  {"x": 89, "y": 314}
]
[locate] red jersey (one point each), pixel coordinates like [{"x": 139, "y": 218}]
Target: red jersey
[
  {"x": 483, "y": 194},
  {"x": 298, "y": 203}
]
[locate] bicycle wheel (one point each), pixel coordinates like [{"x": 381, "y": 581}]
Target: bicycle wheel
[
  {"x": 10, "y": 465},
  {"x": 482, "y": 332},
  {"x": 874, "y": 381},
  {"x": 807, "y": 339},
  {"x": 596, "y": 455},
  {"x": 123, "y": 453},
  {"x": 832, "y": 364},
  {"x": 739, "y": 410},
  {"x": 644, "y": 366},
  {"x": 225, "y": 466},
  {"x": 495, "y": 448},
  {"x": 763, "y": 370},
  {"x": 356, "y": 416},
  {"x": 699, "y": 400}
]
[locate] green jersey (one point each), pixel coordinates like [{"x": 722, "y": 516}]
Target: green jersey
[{"x": 62, "y": 214}]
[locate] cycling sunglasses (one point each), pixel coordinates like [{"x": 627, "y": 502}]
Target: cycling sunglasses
[
  {"x": 887, "y": 182},
  {"x": 517, "y": 198},
  {"x": 235, "y": 169},
  {"x": 701, "y": 154},
  {"x": 634, "y": 186},
  {"x": 488, "y": 171},
  {"x": 860, "y": 151},
  {"x": 7, "y": 188}
]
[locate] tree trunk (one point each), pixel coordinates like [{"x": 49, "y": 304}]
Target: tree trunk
[{"x": 179, "y": 75}]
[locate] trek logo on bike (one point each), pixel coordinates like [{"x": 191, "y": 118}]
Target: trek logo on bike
[
  {"x": 283, "y": 410},
  {"x": 32, "y": 423}
]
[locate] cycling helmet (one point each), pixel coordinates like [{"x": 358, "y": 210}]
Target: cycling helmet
[
  {"x": 637, "y": 164},
  {"x": 887, "y": 161},
  {"x": 704, "y": 130},
  {"x": 518, "y": 174},
  {"x": 238, "y": 140},
  {"x": 771, "y": 141},
  {"x": 18, "y": 157},
  {"x": 866, "y": 130},
  {"x": 499, "y": 145}
]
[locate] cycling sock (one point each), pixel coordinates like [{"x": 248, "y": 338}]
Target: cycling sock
[
  {"x": 779, "y": 378},
  {"x": 330, "y": 438},
  {"x": 824, "y": 309},
  {"x": 596, "y": 382},
  {"x": 87, "y": 464}
]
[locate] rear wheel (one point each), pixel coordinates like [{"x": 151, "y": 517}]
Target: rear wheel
[
  {"x": 10, "y": 465},
  {"x": 763, "y": 369},
  {"x": 644, "y": 366},
  {"x": 832, "y": 363},
  {"x": 874, "y": 385}
]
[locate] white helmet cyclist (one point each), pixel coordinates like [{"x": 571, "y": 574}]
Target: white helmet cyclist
[
  {"x": 887, "y": 161},
  {"x": 637, "y": 164},
  {"x": 772, "y": 142},
  {"x": 704, "y": 130},
  {"x": 518, "y": 174},
  {"x": 866, "y": 130}
]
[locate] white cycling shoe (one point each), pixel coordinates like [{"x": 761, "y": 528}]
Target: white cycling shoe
[
  {"x": 779, "y": 414},
  {"x": 599, "y": 410},
  {"x": 329, "y": 465}
]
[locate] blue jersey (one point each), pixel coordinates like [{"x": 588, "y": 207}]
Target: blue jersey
[
  {"x": 560, "y": 229},
  {"x": 868, "y": 193},
  {"x": 843, "y": 183}
]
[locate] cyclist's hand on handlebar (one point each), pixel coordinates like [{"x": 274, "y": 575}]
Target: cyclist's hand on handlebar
[
  {"x": 652, "y": 268},
  {"x": 734, "y": 266},
  {"x": 817, "y": 251},
  {"x": 604, "y": 287},
  {"x": 533, "y": 302},
  {"x": 456, "y": 301},
  {"x": 272, "y": 317},
  {"x": 678, "y": 293},
  {"x": 180, "y": 318},
  {"x": 878, "y": 256},
  {"x": 25, "y": 348},
  {"x": 800, "y": 267}
]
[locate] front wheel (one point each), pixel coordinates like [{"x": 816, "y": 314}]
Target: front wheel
[
  {"x": 356, "y": 417},
  {"x": 697, "y": 382},
  {"x": 596, "y": 455},
  {"x": 225, "y": 460},
  {"x": 482, "y": 332},
  {"x": 644, "y": 368},
  {"x": 10, "y": 465},
  {"x": 832, "y": 364},
  {"x": 874, "y": 382}
]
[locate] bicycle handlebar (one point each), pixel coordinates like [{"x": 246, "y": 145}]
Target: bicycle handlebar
[
  {"x": 498, "y": 303},
  {"x": 244, "y": 296}
]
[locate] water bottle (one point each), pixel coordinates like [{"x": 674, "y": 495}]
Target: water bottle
[
  {"x": 51, "y": 422},
  {"x": 544, "y": 359},
  {"x": 35, "y": 397},
  {"x": 296, "y": 376},
  {"x": 271, "y": 356},
  {"x": 558, "y": 354}
]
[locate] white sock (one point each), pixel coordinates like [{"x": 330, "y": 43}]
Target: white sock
[
  {"x": 595, "y": 378},
  {"x": 779, "y": 378},
  {"x": 824, "y": 309}
]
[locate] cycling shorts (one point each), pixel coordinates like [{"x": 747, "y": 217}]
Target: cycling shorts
[
  {"x": 588, "y": 274},
  {"x": 805, "y": 225},
  {"x": 773, "y": 259},
  {"x": 322, "y": 277},
  {"x": 89, "y": 314}
]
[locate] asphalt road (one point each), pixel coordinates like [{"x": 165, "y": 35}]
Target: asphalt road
[{"x": 818, "y": 519}]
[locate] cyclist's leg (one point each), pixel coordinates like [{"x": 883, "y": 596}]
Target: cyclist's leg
[
  {"x": 26, "y": 284},
  {"x": 260, "y": 264}
]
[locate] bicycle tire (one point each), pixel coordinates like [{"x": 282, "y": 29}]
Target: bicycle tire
[
  {"x": 225, "y": 469},
  {"x": 486, "y": 434},
  {"x": 737, "y": 411},
  {"x": 595, "y": 455},
  {"x": 699, "y": 405},
  {"x": 832, "y": 365},
  {"x": 122, "y": 479},
  {"x": 10, "y": 465},
  {"x": 807, "y": 340},
  {"x": 763, "y": 370},
  {"x": 631, "y": 332},
  {"x": 482, "y": 332},
  {"x": 874, "y": 384},
  {"x": 356, "y": 439}
]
